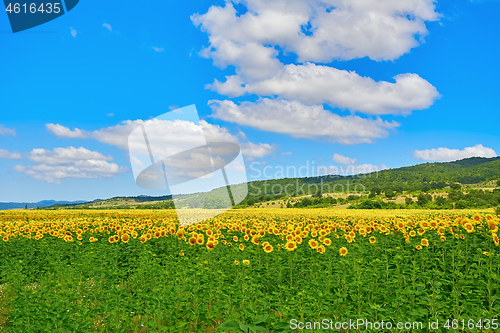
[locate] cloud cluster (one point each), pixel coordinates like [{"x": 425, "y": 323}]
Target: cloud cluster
[
  {"x": 337, "y": 158},
  {"x": 64, "y": 163},
  {"x": 312, "y": 84},
  {"x": 317, "y": 31},
  {"x": 7, "y": 131},
  {"x": 5, "y": 154},
  {"x": 162, "y": 134},
  {"x": 302, "y": 121},
  {"x": 447, "y": 155}
]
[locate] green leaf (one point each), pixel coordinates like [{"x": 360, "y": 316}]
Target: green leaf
[
  {"x": 260, "y": 318},
  {"x": 231, "y": 325}
]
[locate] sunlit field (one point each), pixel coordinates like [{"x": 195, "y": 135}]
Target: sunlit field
[{"x": 253, "y": 270}]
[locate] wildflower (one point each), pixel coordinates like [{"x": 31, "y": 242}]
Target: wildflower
[
  {"x": 125, "y": 238},
  {"x": 424, "y": 242},
  {"x": 268, "y": 248},
  {"x": 443, "y": 238},
  {"x": 242, "y": 247},
  {"x": 236, "y": 262},
  {"x": 469, "y": 227},
  {"x": 321, "y": 249},
  {"x": 373, "y": 239},
  {"x": 486, "y": 253},
  {"x": 343, "y": 251},
  {"x": 419, "y": 247},
  {"x": 313, "y": 244},
  {"x": 291, "y": 246},
  {"x": 246, "y": 262},
  {"x": 210, "y": 245}
]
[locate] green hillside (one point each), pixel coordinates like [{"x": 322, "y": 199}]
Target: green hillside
[{"x": 388, "y": 184}]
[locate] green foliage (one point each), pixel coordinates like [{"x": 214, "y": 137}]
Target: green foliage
[
  {"x": 390, "y": 194},
  {"x": 376, "y": 204},
  {"x": 58, "y": 286},
  {"x": 423, "y": 199}
]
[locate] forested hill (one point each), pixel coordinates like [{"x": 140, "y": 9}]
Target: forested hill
[{"x": 422, "y": 177}]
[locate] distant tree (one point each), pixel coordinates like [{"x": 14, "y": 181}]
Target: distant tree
[
  {"x": 441, "y": 201},
  {"x": 408, "y": 201},
  {"x": 426, "y": 188},
  {"x": 497, "y": 210},
  {"x": 376, "y": 190},
  {"x": 318, "y": 194},
  {"x": 455, "y": 186},
  {"x": 498, "y": 182},
  {"x": 390, "y": 194},
  {"x": 372, "y": 194},
  {"x": 423, "y": 199}
]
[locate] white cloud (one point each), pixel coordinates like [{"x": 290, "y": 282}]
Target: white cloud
[
  {"x": 162, "y": 135},
  {"x": 338, "y": 30},
  {"x": 110, "y": 114},
  {"x": 343, "y": 159},
  {"x": 287, "y": 153},
  {"x": 302, "y": 121},
  {"x": 65, "y": 155},
  {"x": 316, "y": 31},
  {"x": 446, "y": 154},
  {"x": 311, "y": 84},
  {"x": 107, "y": 26},
  {"x": 9, "y": 156},
  {"x": 258, "y": 150},
  {"x": 64, "y": 132},
  {"x": 7, "y": 131},
  {"x": 66, "y": 163},
  {"x": 158, "y": 49},
  {"x": 73, "y": 32}
]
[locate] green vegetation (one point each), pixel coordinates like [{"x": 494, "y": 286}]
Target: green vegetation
[{"x": 447, "y": 183}]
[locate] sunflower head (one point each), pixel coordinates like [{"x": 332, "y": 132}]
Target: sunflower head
[{"x": 291, "y": 246}]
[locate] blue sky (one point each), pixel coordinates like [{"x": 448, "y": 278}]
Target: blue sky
[{"x": 302, "y": 86}]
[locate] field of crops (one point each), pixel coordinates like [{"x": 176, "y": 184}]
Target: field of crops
[{"x": 254, "y": 270}]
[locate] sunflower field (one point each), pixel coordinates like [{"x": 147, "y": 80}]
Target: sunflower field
[{"x": 249, "y": 270}]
